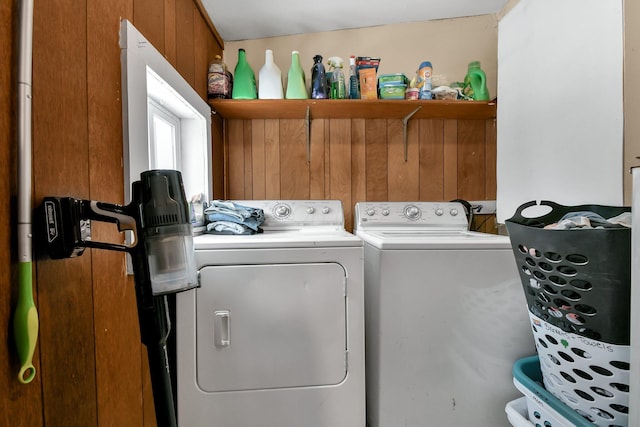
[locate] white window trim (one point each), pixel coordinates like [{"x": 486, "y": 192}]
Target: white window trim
[{"x": 139, "y": 61}]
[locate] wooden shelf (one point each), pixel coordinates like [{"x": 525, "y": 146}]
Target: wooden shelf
[{"x": 351, "y": 108}]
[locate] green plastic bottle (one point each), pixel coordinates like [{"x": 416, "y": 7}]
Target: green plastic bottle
[
  {"x": 475, "y": 83},
  {"x": 244, "y": 79},
  {"x": 296, "y": 84}
]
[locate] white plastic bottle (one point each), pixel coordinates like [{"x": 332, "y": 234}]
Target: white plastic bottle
[{"x": 270, "y": 79}]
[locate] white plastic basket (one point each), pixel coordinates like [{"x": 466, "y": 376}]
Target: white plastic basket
[
  {"x": 589, "y": 376},
  {"x": 517, "y": 413}
]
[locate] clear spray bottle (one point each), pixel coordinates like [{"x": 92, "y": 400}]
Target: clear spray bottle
[{"x": 354, "y": 92}]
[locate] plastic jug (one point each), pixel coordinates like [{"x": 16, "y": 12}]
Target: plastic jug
[
  {"x": 296, "y": 85},
  {"x": 270, "y": 79},
  {"x": 244, "y": 80},
  {"x": 475, "y": 83}
]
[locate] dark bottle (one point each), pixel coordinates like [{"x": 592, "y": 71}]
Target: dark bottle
[
  {"x": 319, "y": 89},
  {"x": 218, "y": 81}
]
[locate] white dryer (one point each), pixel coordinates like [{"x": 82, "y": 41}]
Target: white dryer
[
  {"x": 446, "y": 317},
  {"x": 274, "y": 334}
]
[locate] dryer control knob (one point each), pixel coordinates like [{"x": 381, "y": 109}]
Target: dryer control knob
[
  {"x": 412, "y": 212},
  {"x": 326, "y": 210},
  {"x": 282, "y": 211},
  {"x": 370, "y": 212},
  {"x": 439, "y": 212},
  {"x": 453, "y": 212},
  {"x": 385, "y": 212},
  {"x": 311, "y": 210}
]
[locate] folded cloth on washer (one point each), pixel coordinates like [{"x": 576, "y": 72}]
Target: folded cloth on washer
[
  {"x": 231, "y": 212},
  {"x": 228, "y": 227}
]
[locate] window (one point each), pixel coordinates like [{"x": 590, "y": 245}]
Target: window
[
  {"x": 164, "y": 137},
  {"x": 166, "y": 124}
]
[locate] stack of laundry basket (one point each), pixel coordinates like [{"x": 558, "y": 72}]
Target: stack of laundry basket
[{"x": 575, "y": 267}]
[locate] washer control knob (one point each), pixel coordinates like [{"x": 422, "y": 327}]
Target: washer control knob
[
  {"x": 385, "y": 212},
  {"x": 282, "y": 211},
  {"x": 412, "y": 212},
  {"x": 439, "y": 212},
  {"x": 370, "y": 211},
  {"x": 453, "y": 212},
  {"x": 311, "y": 210},
  {"x": 326, "y": 210}
]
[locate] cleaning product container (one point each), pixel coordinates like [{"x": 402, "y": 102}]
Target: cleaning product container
[
  {"x": 244, "y": 80},
  {"x": 475, "y": 83},
  {"x": 577, "y": 286},
  {"x": 296, "y": 86},
  {"x": 218, "y": 82},
  {"x": 354, "y": 87},
  {"x": 319, "y": 88},
  {"x": 424, "y": 80},
  {"x": 392, "y": 86},
  {"x": 270, "y": 79},
  {"x": 337, "y": 86}
]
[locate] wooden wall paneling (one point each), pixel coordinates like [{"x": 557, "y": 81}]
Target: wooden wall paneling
[
  {"x": 235, "y": 150},
  {"x": 404, "y": 179},
  {"x": 15, "y": 397},
  {"x": 60, "y": 160},
  {"x": 450, "y": 160},
  {"x": 148, "y": 18},
  {"x": 471, "y": 159},
  {"x": 319, "y": 138},
  {"x": 200, "y": 53},
  {"x": 491, "y": 152},
  {"x": 272, "y": 159},
  {"x": 218, "y": 156},
  {"x": 185, "y": 40},
  {"x": 340, "y": 164},
  {"x": 170, "y": 32},
  {"x": 117, "y": 337},
  {"x": 358, "y": 162},
  {"x": 489, "y": 225},
  {"x": 376, "y": 158},
  {"x": 258, "y": 178},
  {"x": 248, "y": 165},
  {"x": 327, "y": 156},
  {"x": 431, "y": 147},
  {"x": 294, "y": 169}
]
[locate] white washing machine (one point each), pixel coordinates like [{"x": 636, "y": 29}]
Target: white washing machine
[
  {"x": 274, "y": 335},
  {"x": 446, "y": 317}
]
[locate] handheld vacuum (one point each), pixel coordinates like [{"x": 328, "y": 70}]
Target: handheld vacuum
[{"x": 161, "y": 252}]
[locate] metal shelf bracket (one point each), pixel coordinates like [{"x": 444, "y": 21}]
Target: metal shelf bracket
[{"x": 405, "y": 121}]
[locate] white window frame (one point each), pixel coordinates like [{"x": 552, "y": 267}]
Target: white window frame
[{"x": 147, "y": 74}]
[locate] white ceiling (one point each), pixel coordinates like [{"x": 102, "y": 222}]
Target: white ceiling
[{"x": 257, "y": 19}]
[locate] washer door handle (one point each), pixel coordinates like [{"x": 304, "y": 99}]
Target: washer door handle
[{"x": 221, "y": 328}]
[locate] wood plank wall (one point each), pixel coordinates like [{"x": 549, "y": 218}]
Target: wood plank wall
[
  {"x": 91, "y": 367},
  {"x": 357, "y": 160}
]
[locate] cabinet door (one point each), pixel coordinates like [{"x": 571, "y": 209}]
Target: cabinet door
[
  {"x": 560, "y": 115},
  {"x": 271, "y": 326}
]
